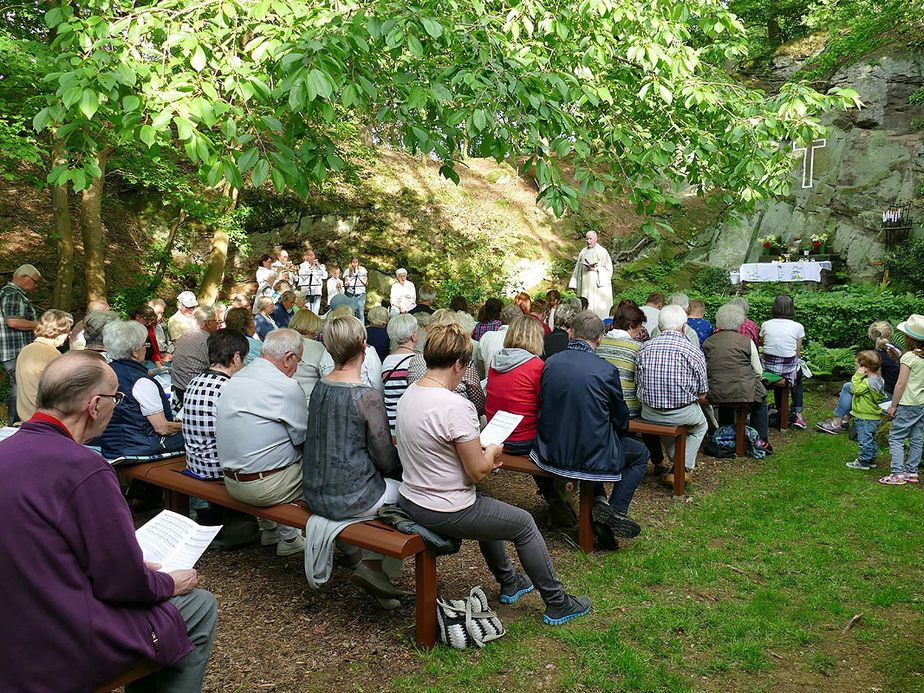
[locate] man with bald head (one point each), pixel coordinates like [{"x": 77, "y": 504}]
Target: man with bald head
[
  {"x": 593, "y": 276},
  {"x": 18, "y": 320},
  {"x": 85, "y": 604}
]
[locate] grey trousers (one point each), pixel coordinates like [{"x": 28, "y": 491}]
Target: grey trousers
[
  {"x": 492, "y": 522},
  {"x": 10, "y": 368},
  {"x": 690, "y": 416},
  {"x": 200, "y": 611}
]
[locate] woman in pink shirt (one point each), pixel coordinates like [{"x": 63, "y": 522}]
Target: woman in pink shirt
[{"x": 513, "y": 382}]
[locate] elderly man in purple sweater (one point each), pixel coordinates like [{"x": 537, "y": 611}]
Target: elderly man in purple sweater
[{"x": 79, "y": 601}]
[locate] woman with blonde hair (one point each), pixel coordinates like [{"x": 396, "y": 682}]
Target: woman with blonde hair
[
  {"x": 440, "y": 449},
  {"x": 371, "y": 369},
  {"x": 349, "y": 454},
  {"x": 470, "y": 385},
  {"x": 524, "y": 302},
  {"x": 880, "y": 332},
  {"x": 513, "y": 382},
  {"x": 263, "y": 317},
  {"x": 308, "y": 372},
  {"x": 52, "y": 330}
]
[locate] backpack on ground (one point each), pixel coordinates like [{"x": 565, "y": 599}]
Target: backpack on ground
[{"x": 723, "y": 441}]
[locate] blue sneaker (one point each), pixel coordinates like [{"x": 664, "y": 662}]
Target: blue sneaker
[
  {"x": 574, "y": 607},
  {"x": 510, "y": 594}
]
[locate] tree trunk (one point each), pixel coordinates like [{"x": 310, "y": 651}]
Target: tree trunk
[
  {"x": 215, "y": 270},
  {"x": 91, "y": 227},
  {"x": 168, "y": 249},
  {"x": 62, "y": 295},
  {"x": 773, "y": 31}
]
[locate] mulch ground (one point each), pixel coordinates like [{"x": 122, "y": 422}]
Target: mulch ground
[{"x": 277, "y": 634}]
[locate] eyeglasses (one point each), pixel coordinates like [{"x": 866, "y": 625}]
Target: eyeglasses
[{"x": 116, "y": 398}]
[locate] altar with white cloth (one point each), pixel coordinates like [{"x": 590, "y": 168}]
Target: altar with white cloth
[{"x": 809, "y": 271}]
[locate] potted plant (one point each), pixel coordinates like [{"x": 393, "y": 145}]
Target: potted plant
[
  {"x": 818, "y": 242},
  {"x": 770, "y": 243}
]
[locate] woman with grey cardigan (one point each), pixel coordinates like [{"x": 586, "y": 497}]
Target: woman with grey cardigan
[{"x": 348, "y": 449}]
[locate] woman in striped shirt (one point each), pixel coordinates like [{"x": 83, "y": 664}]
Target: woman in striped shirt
[{"x": 403, "y": 330}]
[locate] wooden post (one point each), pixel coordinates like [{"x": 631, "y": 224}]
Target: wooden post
[
  {"x": 425, "y": 577},
  {"x": 680, "y": 468},
  {"x": 741, "y": 417},
  {"x": 585, "y": 519}
]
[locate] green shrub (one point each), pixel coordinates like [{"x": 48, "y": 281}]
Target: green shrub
[
  {"x": 128, "y": 298},
  {"x": 712, "y": 281},
  {"x": 906, "y": 266},
  {"x": 834, "y": 319}
]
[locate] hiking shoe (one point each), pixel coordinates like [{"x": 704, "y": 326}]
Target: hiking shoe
[
  {"x": 861, "y": 464},
  {"x": 603, "y": 538},
  {"x": 287, "y": 548},
  {"x": 375, "y": 582},
  {"x": 270, "y": 537},
  {"x": 388, "y": 604},
  {"x": 911, "y": 477},
  {"x": 561, "y": 510},
  {"x": 661, "y": 470},
  {"x": 799, "y": 422},
  {"x": 573, "y": 607},
  {"x": 620, "y": 525},
  {"x": 508, "y": 595},
  {"x": 668, "y": 478},
  {"x": 829, "y": 427},
  {"x": 894, "y": 480}
]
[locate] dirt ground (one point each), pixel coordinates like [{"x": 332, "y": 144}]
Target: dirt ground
[{"x": 277, "y": 634}]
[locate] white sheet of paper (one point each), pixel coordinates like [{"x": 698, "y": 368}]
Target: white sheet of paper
[
  {"x": 7, "y": 431},
  {"x": 174, "y": 541},
  {"x": 500, "y": 428},
  {"x": 885, "y": 405}
]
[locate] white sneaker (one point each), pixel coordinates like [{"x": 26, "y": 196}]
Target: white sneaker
[
  {"x": 287, "y": 548},
  {"x": 270, "y": 537}
]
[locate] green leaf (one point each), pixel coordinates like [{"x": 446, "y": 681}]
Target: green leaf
[
  {"x": 214, "y": 174},
  {"x": 79, "y": 178},
  {"x": 232, "y": 174},
  {"x": 248, "y": 159},
  {"x": 279, "y": 180},
  {"x": 131, "y": 102},
  {"x": 41, "y": 119},
  {"x": 449, "y": 172},
  {"x": 272, "y": 123},
  {"x": 479, "y": 119},
  {"x": 198, "y": 59},
  {"x": 260, "y": 172},
  {"x": 184, "y": 127},
  {"x": 89, "y": 103},
  {"x": 320, "y": 83},
  {"x": 434, "y": 28},
  {"x": 71, "y": 96},
  {"x": 651, "y": 231},
  {"x": 148, "y": 135},
  {"x": 414, "y": 46}
]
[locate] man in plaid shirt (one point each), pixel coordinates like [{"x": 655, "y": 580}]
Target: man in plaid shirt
[
  {"x": 672, "y": 382},
  {"x": 17, "y": 325}
]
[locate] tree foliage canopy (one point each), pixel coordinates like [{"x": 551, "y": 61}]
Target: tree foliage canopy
[{"x": 632, "y": 96}]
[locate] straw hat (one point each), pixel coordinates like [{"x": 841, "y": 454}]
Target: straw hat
[{"x": 913, "y": 326}]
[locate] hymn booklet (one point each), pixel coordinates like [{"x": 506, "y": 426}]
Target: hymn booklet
[{"x": 174, "y": 541}]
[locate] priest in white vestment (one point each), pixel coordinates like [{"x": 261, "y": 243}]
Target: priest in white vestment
[{"x": 593, "y": 277}]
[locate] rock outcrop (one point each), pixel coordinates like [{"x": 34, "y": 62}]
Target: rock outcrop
[{"x": 873, "y": 159}]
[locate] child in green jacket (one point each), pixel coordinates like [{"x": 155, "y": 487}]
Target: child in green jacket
[{"x": 868, "y": 389}]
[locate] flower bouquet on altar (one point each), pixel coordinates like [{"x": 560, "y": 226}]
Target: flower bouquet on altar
[
  {"x": 818, "y": 242},
  {"x": 770, "y": 243}
]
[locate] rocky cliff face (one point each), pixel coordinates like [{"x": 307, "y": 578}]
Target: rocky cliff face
[{"x": 873, "y": 159}]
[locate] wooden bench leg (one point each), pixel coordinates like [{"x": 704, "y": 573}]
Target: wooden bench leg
[
  {"x": 585, "y": 518},
  {"x": 741, "y": 413},
  {"x": 784, "y": 408},
  {"x": 680, "y": 468},
  {"x": 425, "y": 579},
  {"x": 177, "y": 502}
]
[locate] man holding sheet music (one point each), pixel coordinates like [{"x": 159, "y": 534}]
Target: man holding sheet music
[
  {"x": 579, "y": 433},
  {"x": 80, "y": 602}
]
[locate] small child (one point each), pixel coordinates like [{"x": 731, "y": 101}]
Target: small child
[
  {"x": 868, "y": 388},
  {"x": 907, "y": 410}
]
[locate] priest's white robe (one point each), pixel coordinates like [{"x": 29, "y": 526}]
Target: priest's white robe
[{"x": 593, "y": 279}]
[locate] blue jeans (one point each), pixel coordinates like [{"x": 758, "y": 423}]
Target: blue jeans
[
  {"x": 908, "y": 423},
  {"x": 866, "y": 433},
  {"x": 359, "y": 306},
  {"x": 844, "y": 402},
  {"x": 636, "y": 465}
]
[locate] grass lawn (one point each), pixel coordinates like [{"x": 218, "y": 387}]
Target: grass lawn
[{"x": 746, "y": 588}]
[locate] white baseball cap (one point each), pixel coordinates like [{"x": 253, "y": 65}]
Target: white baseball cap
[{"x": 188, "y": 299}]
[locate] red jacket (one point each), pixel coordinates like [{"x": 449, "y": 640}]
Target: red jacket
[{"x": 516, "y": 391}]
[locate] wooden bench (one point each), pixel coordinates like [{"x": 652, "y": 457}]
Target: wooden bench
[
  {"x": 138, "y": 670},
  {"x": 679, "y": 434},
  {"x": 372, "y": 535}
]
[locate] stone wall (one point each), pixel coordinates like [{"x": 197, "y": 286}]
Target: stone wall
[{"x": 874, "y": 158}]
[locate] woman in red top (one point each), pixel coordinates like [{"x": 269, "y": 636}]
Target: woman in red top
[{"x": 513, "y": 382}]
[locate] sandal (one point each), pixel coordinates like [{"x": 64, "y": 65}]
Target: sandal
[
  {"x": 911, "y": 478},
  {"x": 893, "y": 480}
]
